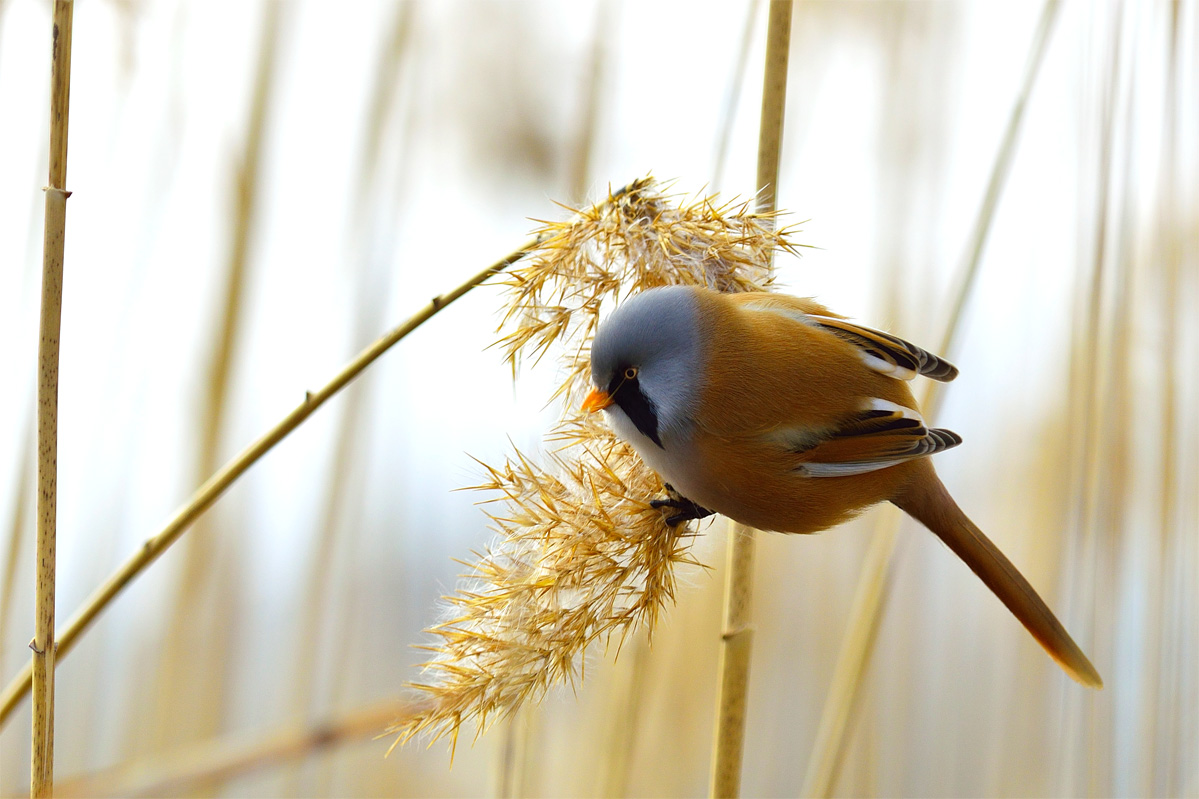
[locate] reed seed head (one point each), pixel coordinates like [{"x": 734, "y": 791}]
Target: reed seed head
[{"x": 580, "y": 557}]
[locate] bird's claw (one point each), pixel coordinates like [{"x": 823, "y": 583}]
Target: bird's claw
[{"x": 688, "y": 510}]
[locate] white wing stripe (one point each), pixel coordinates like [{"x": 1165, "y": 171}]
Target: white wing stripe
[
  {"x": 887, "y": 368},
  {"x": 876, "y": 404},
  {"x": 847, "y": 469}
]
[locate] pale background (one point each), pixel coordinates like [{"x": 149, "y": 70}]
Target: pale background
[{"x": 403, "y": 148}]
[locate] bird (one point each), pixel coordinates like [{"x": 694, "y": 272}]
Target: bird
[{"x": 784, "y": 416}]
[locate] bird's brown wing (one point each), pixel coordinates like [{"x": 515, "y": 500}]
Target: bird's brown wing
[
  {"x": 883, "y": 435},
  {"x": 881, "y": 351},
  {"x": 893, "y": 355}
]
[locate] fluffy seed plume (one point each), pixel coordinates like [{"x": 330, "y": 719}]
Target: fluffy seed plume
[
  {"x": 639, "y": 238},
  {"x": 581, "y": 557}
]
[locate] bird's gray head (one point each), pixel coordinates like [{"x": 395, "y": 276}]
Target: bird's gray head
[{"x": 645, "y": 362}]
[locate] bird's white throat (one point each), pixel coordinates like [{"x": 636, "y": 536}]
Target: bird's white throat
[{"x": 673, "y": 461}]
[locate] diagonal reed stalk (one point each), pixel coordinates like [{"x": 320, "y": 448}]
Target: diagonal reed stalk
[
  {"x": 873, "y": 583},
  {"x": 215, "y": 762},
  {"x": 41, "y": 668},
  {"x": 737, "y": 634},
  {"x": 216, "y": 485}
]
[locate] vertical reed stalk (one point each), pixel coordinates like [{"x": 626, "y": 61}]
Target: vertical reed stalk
[
  {"x": 42, "y": 761},
  {"x": 869, "y": 597},
  {"x": 736, "y": 646},
  {"x": 737, "y": 634},
  {"x": 774, "y": 99}
]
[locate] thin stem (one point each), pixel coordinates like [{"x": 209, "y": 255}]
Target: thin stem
[
  {"x": 735, "y": 649},
  {"x": 217, "y": 761},
  {"x": 216, "y": 485},
  {"x": 42, "y": 666},
  {"x": 774, "y": 98},
  {"x": 737, "y": 635},
  {"x": 871, "y": 592}
]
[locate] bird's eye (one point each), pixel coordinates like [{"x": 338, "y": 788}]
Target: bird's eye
[{"x": 630, "y": 373}]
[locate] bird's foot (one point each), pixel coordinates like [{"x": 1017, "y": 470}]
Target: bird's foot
[{"x": 687, "y": 510}]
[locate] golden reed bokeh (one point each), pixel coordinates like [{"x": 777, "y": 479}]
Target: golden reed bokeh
[{"x": 262, "y": 189}]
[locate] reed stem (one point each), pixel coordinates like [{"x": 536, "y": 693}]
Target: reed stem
[
  {"x": 216, "y": 761},
  {"x": 774, "y": 99},
  {"x": 41, "y": 668},
  {"x": 736, "y": 646},
  {"x": 737, "y": 634}
]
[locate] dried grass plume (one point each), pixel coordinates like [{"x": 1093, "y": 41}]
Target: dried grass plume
[{"x": 581, "y": 557}]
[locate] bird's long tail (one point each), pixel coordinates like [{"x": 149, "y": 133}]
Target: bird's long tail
[{"x": 927, "y": 500}]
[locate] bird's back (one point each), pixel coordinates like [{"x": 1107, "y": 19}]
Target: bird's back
[{"x": 799, "y": 384}]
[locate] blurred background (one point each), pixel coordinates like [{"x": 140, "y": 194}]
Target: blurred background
[{"x": 261, "y": 189}]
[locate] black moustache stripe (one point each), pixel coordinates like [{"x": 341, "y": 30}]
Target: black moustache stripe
[{"x": 630, "y": 398}]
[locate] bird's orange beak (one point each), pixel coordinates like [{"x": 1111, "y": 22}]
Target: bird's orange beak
[{"x": 597, "y": 400}]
